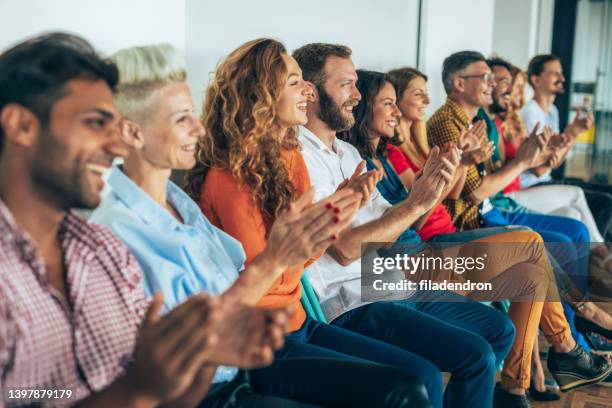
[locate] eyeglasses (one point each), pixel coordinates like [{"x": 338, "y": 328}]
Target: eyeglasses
[{"x": 487, "y": 76}]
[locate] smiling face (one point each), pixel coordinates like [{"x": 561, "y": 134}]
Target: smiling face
[
  {"x": 339, "y": 94},
  {"x": 292, "y": 104},
  {"x": 415, "y": 100},
  {"x": 503, "y": 89},
  {"x": 78, "y": 145},
  {"x": 475, "y": 86},
  {"x": 551, "y": 79},
  {"x": 385, "y": 114},
  {"x": 171, "y": 130}
]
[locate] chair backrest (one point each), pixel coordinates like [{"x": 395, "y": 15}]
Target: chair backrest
[
  {"x": 310, "y": 301},
  {"x": 307, "y": 305}
]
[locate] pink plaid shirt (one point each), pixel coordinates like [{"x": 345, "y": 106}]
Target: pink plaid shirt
[{"x": 45, "y": 343}]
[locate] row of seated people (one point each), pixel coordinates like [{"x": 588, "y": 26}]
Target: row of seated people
[{"x": 168, "y": 297}]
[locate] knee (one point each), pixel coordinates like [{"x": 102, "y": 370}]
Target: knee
[
  {"x": 405, "y": 390},
  {"x": 574, "y": 214},
  {"x": 535, "y": 243},
  {"x": 576, "y": 192},
  {"x": 580, "y": 231},
  {"x": 527, "y": 236},
  {"x": 482, "y": 357},
  {"x": 583, "y": 232},
  {"x": 532, "y": 236}
]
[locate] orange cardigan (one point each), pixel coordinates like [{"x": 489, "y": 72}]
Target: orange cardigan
[{"x": 231, "y": 208}]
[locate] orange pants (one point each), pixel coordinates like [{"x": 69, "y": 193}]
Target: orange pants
[{"x": 519, "y": 270}]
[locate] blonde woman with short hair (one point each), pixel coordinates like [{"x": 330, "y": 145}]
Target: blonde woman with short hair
[{"x": 182, "y": 254}]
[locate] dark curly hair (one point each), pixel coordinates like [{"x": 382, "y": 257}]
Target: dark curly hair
[{"x": 369, "y": 84}]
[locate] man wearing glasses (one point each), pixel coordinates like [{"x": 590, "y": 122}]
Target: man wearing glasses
[{"x": 469, "y": 84}]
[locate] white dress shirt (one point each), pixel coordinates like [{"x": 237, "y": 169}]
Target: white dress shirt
[{"x": 338, "y": 287}]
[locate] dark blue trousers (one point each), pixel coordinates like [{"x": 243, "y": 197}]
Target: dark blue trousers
[{"x": 462, "y": 337}]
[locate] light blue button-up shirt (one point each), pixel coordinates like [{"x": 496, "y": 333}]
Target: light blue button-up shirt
[{"x": 178, "y": 259}]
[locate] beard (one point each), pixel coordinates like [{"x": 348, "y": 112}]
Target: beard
[
  {"x": 59, "y": 177},
  {"x": 496, "y": 108},
  {"x": 331, "y": 114}
]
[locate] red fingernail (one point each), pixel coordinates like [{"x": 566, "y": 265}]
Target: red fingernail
[
  {"x": 336, "y": 210},
  {"x": 336, "y": 220},
  {"x": 334, "y": 237},
  {"x": 328, "y": 206}
]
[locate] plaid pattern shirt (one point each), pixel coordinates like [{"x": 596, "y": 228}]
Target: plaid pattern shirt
[
  {"x": 44, "y": 342},
  {"x": 445, "y": 126}
]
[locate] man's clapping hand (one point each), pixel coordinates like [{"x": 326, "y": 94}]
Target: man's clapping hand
[{"x": 362, "y": 182}]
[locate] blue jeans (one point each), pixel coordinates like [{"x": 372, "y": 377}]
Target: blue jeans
[
  {"x": 567, "y": 241},
  {"x": 458, "y": 335},
  {"x": 320, "y": 340}
]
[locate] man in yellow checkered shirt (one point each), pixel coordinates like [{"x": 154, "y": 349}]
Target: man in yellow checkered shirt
[{"x": 468, "y": 82}]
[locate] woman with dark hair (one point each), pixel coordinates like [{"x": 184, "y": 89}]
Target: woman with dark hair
[
  {"x": 376, "y": 119},
  {"x": 401, "y": 149}
]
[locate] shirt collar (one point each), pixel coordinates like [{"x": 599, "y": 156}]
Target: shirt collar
[
  {"x": 458, "y": 112},
  {"x": 314, "y": 139},
  {"x": 72, "y": 230},
  {"x": 482, "y": 114},
  {"x": 12, "y": 231},
  {"x": 8, "y": 225},
  {"x": 541, "y": 110},
  {"x": 148, "y": 209}
]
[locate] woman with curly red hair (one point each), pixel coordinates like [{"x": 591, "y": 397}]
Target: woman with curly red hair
[{"x": 250, "y": 167}]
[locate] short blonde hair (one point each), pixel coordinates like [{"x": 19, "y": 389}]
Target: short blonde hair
[{"x": 142, "y": 72}]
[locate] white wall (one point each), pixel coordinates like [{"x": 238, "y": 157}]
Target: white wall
[
  {"x": 545, "y": 27},
  {"x": 522, "y": 29},
  {"x": 449, "y": 26},
  {"x": 110, "y": 26},
  {"x": 382, "y": 34},
  {"x": 513, "y": 33}
]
